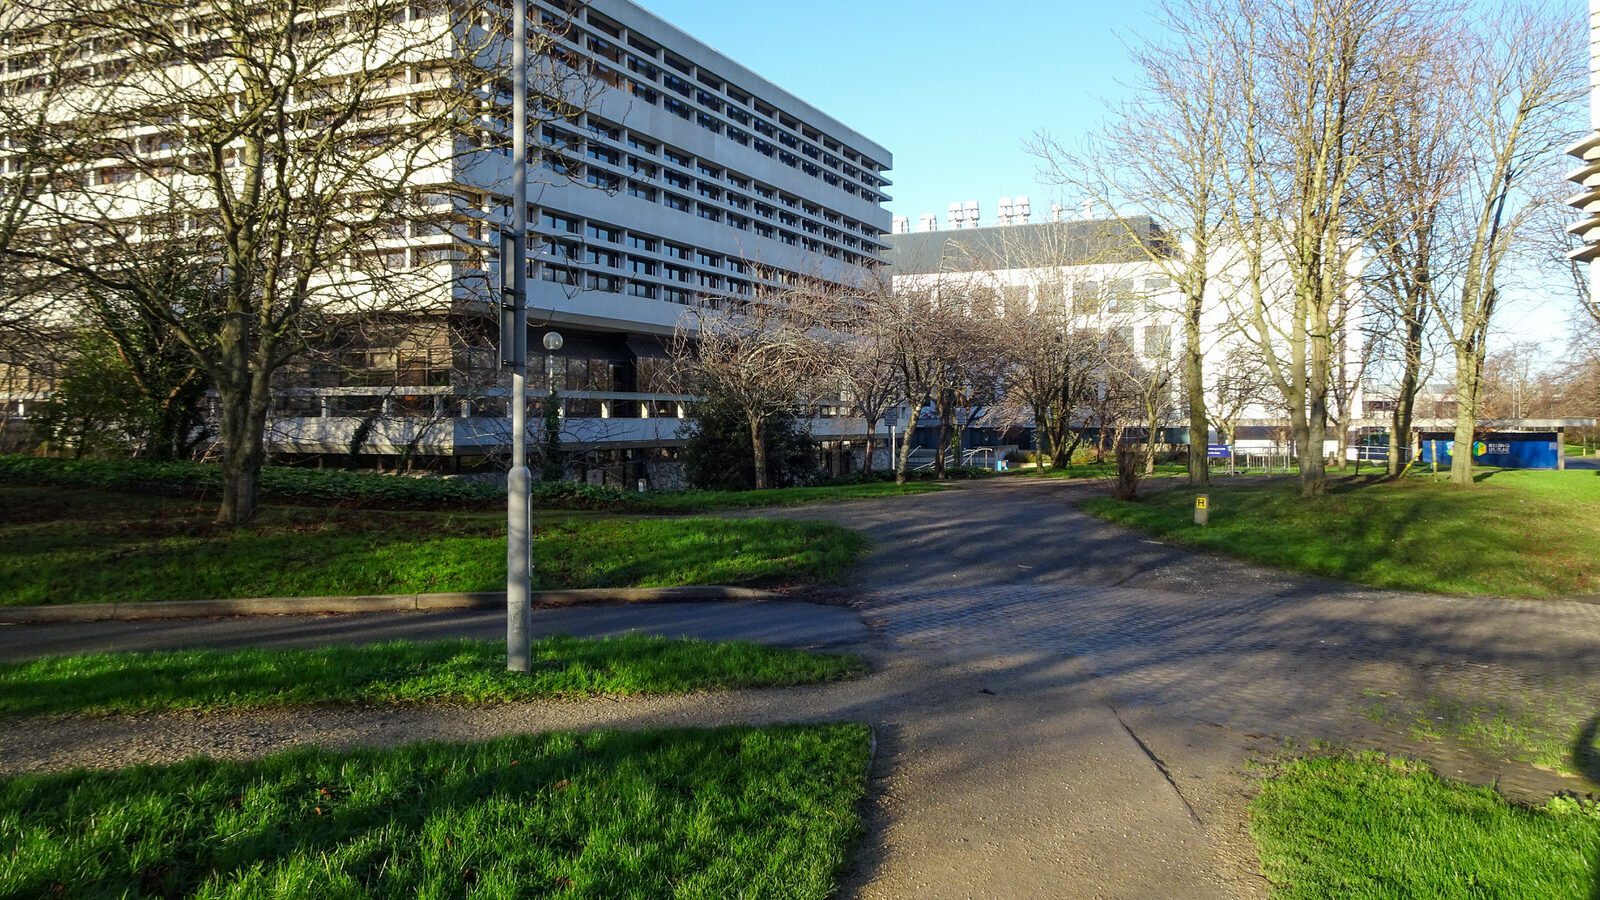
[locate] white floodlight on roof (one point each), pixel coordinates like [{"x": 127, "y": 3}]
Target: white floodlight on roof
[
  {"x": 1021, "y": 211},
  {"x": 970, "y": 213},
  {"x": 1005, "y": 210},
  {"x": 956, "y": 218},
  {"x": 930, "y": 222}
]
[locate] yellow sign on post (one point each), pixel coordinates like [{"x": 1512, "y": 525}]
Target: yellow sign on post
[{"x": 1202, "y": 508}]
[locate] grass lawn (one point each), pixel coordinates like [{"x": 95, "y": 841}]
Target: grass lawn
[
  {"x": 765, "y": 812},
  {"x": 1372, "y": 827},
  {"x": 1516, "y": 533},
  {"x": 66, "y": 545},
  {"x": 402, "y": 672}
]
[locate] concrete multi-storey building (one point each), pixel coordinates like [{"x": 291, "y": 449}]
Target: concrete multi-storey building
[
  {"x": 1108, "y": 283},
  {"x": 684, "y": 181}
]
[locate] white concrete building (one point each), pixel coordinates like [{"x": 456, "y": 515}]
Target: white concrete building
[{"x": 1092, "y": 268}]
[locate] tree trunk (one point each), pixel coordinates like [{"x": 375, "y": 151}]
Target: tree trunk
[
  {"x": 243, "y": 423},
  {"x": 940, "y": 445},
  {"x": 1314, "y": 420},
  {"x": 758, "y": 449},
  {"x": 1042, "y": 443},
  {"x": 1194, "y": 384},
  {"x": 1405, "y": 404},
  {"x": 1152, "y": 424},
  {"x": 905, "y": 444},
  {"x": 872, "y": 430},
  {"x": 1469, "y": 372}
]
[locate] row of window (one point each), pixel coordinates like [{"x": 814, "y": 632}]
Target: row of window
[
  {"x": 722, "y": 108},
  {"x": 707, "y": 183}
]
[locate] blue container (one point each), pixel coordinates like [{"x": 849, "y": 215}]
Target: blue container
[{"x": 1505, "y": 450}]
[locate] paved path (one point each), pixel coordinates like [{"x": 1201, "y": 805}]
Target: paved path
[
  {"x": 1131, "y": 680},
  {"x": 771, "y": 622},
  {"x": 1063, "y": 708}
]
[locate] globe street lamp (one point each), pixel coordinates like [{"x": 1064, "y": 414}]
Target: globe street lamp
[{"x": 552, "y": 343}]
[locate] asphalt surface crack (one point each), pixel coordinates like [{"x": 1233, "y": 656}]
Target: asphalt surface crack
[{"x": 1160, "y": 767}]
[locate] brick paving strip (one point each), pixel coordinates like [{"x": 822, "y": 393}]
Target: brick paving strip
[{"x": 1063, "y": 709}]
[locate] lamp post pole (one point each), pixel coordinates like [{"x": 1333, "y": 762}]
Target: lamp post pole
[{"x": 519, "y": 527}]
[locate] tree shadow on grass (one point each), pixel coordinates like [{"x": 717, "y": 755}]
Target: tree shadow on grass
[{"x": 524, "y": 810}]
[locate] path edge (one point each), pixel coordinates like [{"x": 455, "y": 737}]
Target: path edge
[{"x": 289, "y": 606}]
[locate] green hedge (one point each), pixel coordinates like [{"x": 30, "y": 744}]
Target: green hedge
[{"x": 323, "y": 487}]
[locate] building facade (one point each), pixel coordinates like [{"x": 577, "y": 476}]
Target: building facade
[
  {"x": 676, "y": 181},
  {"x": 1102, "y": 274}
]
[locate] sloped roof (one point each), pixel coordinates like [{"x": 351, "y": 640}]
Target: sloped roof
[{"x": 1037, "y": 245}]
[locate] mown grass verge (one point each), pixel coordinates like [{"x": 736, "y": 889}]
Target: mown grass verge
[
  {"x": 360, "y": 490},
  {"x": 1515, "y": 533},
  {"x": 453, "y": 671},
  {"x": 767, "y": 812},
  {"x": 1367, "y": 826},
  {"x": 73, "y": 546}
]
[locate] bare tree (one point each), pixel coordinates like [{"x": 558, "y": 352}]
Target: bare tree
[
  {"x": 910, "y": 327},
  {"x": 1518, "y": 75},
  {"x": 37, "y": 145},
  {"x": 287, "y": 150},
  {"x": 1398, "y": 203},
  {"x": 1241, "y": 383},
  {"x": 764, "y": 360},
  {"x": 864, "y": 359},
  {"x": 1049, "y": 368},
  {"x": 1307, "y": 93},
  {"x": 1161, "y": 154}
]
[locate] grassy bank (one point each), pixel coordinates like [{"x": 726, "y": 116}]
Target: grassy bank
[
  {"x": 1516, "y": 533},
  {"x": 1372, "y": 827},
  {"x": 360, "y": 490},
  {"x": 1554, "y": 730},
  {"x": 72, "y": 545},
  {"x": 457, "y": 671},
  {"x": 737, "y": 812}
]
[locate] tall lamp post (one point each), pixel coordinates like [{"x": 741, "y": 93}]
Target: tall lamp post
[{"x": 519, "y": 527}]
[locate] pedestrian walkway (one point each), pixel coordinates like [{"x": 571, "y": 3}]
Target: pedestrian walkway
[
  {"x": 1063, "y": 709},
  {"x": 782, "y": 623}
]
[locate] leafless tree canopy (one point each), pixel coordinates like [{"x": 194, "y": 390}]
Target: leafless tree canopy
[{"x": 244, "y": 173}]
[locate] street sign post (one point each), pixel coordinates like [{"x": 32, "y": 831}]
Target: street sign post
[
  {"x": 1202, "y": 508},
  {"x": 519, "y": 526}
]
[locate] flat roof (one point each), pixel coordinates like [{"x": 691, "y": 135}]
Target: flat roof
[{"x": 1031, "y": 246}]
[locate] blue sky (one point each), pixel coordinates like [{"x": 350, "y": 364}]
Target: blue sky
[
  {"x": 955, "y": 89},
  {"x": 952, "y": 89}
]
